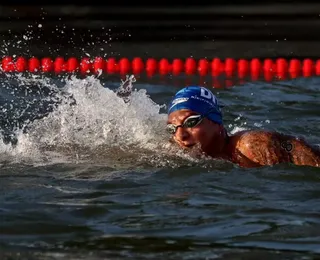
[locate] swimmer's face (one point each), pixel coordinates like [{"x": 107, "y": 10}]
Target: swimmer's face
[{"x": 203, "y": 134}]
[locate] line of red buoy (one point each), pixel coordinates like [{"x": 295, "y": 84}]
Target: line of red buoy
[{"x": 279, "y": 67}]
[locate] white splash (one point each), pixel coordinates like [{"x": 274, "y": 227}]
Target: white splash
[{"x": 97, "y": 123}]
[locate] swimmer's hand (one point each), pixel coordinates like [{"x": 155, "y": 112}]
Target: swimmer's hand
[{"x": 125, "y": 89}]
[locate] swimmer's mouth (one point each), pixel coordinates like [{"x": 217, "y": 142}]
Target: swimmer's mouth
[
  {"x": 186, "y": 146},
  {"x": 190, "y": 145},
  {"x": 183, "y": 145}
]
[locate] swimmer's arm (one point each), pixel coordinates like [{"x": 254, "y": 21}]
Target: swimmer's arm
[
  {"x": 266, "y": 148},
  {"x": 304, "y": 154},
  {"x": 243, "y": 161}
]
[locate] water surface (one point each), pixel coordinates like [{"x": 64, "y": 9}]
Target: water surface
[{"x": 86, "y": 176}]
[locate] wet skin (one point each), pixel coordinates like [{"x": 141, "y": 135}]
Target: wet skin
[{"x": 246, "y": 148}]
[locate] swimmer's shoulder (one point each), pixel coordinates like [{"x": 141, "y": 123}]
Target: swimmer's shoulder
[{"x": 257, "y": 146}]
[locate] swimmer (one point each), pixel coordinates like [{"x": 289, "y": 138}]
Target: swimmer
[{"x": 195, "y": 120}]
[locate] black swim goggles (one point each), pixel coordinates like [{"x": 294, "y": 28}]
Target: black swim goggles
[{"x": 189, "y": 122}]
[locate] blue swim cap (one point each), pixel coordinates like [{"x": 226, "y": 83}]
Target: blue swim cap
[{"x": 197, "y": 99}]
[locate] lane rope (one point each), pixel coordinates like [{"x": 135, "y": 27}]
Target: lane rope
[{"x": 269, "y": 68}]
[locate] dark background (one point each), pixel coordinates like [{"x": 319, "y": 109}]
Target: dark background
[{"x": 223, "y": 28}]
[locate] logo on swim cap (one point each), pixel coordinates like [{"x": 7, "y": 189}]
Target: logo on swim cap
[
  {"x": 197, "y": 99},
  {"x": 178, "y": 100}
]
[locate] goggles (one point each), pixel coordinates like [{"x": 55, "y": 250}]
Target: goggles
[{"x": 189, "y": 122}]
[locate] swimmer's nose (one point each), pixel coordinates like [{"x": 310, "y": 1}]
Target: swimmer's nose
[{"x": 181, "y": 135}]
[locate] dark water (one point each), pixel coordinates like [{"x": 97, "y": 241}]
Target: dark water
[{"x": 106, "y": 200}]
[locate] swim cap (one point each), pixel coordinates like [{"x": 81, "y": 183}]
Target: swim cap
[{"x": 197, "y": 99}]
